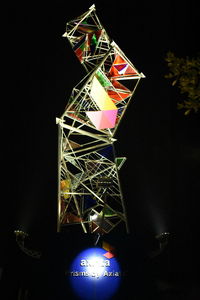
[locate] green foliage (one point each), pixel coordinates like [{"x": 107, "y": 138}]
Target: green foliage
[{"x": 185, "y": 73}]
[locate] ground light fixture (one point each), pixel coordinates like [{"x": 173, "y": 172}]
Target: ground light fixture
[
  {"x": 21, "y": 237},
  {"x": 163, "y": 239}
]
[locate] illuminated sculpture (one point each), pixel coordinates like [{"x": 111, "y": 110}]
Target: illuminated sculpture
[{"x": 89, "y": 192}]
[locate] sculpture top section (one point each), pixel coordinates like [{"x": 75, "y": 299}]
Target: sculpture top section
[
  {"x": 90, "y": 40},
  {"x": 101, "y": 98}
]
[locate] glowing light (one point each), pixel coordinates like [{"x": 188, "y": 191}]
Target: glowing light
[
  {"x": 96, "y": 266},
  {"x": 93, "y": 217}
]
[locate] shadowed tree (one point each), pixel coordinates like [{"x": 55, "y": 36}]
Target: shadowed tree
[{"x": 185, "y": 73}]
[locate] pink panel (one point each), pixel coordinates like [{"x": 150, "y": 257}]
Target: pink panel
[
  {"x": 109, "y": 118},
  {"x": 103, "y": 119},
  {"x": 95, "y": 118}
]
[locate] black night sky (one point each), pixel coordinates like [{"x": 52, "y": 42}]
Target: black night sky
[{"x": 160, "y": 180}]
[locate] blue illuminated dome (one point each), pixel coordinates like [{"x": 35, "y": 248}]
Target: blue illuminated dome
[{"x": 94, "y": 274}]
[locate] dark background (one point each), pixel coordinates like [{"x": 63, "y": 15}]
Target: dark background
[{"x": 160, "y": 179}]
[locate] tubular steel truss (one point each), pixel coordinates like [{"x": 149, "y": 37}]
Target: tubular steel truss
[{"x": 89, "y": 192}]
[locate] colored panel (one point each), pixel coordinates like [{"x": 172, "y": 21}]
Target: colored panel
[
  {"x": 87, "y": 28},
  {"x": 113, "y": 72},
  {"x": 100, "y": 96},
  {"x": 109, "y": 118},
  {"x": 105, "y": 123},
  {"x": 79, "y": 54},
  {"x": 89, "y": 202},
  {"x": 107, "y": 152},
  {"x": 93, "y": 40},
  {"x": 95, "y": 118},
  {"x": 103, "y": 119},
  {"x": 119, "y": 60},
  {"x": 120, "y": 67},
  {"x": 109, "y": 213},
  {"x": 104, "y": 81},
  {"x": 80, "y": 44},
  {"x": 106, "y": 246},
  {"x": 80, "y": 47},
  {"x": 117, "y": 96},
  {"x": 130, "y": 71},
  {"x": 120, "y": 161},
  {"x": 70, "y": 145},
  {"x": 71, "y": 218},
  {"x": 65, "y": 188},
  {"x": 109, "y": 255},
  {"x": 120, "y": 86},
  {"x": 119, "y": 92}
]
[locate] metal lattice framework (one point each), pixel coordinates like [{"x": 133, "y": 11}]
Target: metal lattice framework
[{"x": 89, "y": 192}]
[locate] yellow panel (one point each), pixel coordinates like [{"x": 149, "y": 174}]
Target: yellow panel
[
  {"x": 100, "y": 96},
  {"x": 65, "y": 188},
  {"x": 107, "y": 246}
]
